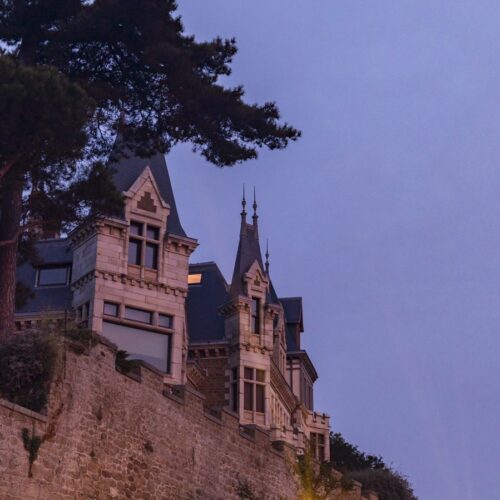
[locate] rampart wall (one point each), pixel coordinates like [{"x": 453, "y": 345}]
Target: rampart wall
[{"x": 108, "y": 435}]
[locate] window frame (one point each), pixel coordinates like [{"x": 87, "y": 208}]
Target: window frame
[
  {"x": 40, "y": 269},
  {"x": 253, "y": 378},
  {"x": 141, "y": 237},
  {"x": 255, "y": 316}
]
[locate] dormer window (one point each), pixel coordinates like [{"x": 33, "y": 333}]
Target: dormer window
[
  {"x": 143, "y": 245},
  {"x": 52, "y": 276},
  {"x": 255, "y": 324}
]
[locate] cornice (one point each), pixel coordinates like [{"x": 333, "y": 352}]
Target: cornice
[{"x": 128, "y": 280}]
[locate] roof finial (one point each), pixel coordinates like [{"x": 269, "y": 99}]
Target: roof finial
[
  {"x": 255, "y": 216},
  {"x": 243, "y": 204},
  {"x": 267, "y": 256}
]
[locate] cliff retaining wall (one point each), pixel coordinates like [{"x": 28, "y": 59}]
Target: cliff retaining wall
[{"x": 110, "y": 436}]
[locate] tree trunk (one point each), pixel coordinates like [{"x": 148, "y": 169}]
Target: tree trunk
[{"x": 10, "y": 220}]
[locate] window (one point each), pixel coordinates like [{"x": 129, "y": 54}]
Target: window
[
  {"x": 254, "y": 390},
  {"x": 53, "y": 276},
  {"x": 138, "y": 315},
  {"x": 165, "y": 320},
  {"x": 82, "y": 313},
  {"x": 143, "y": 245},
  {"x": 194, "y": 279},
  {"x": 154, "y": 348},
  {"x": 110, "y": 309},
  {"x": 318, "y": 446},
  {"x": 255, "y": 325}
]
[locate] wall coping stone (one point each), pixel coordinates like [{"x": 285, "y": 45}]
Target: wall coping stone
[{"x": 23, "y": 411}]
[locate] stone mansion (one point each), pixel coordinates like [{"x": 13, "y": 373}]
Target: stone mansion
[{"x": 130, "y": 279}]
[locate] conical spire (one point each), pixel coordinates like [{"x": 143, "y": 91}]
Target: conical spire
[
  {"x": 255, "y": 217},
  {"x": 243, "y": 204},
  {"x": 267, "y": 257},
  {"x": 248, "y": 249}
]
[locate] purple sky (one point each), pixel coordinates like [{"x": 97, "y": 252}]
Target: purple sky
[{"x": 385, "y": 216}]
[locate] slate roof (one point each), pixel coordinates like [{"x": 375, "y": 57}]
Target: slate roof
[
  {"x": 248, "y": 252},
  {"x": 292, "y": 307},
  {"x": 130, "y": 166},
  {"x": 203, "y": 302},
  {"x": 53, "y": 298}
]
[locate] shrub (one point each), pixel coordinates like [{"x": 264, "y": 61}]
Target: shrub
[
  {"x": 387, "y": 483},
  {"x": 126, "y": 365},
  {"x": 27, "y": 364}
]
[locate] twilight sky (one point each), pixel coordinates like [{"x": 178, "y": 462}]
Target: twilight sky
[{"x": 385, "y": 216}]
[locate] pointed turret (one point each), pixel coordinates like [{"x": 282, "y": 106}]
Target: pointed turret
[
  {"x": 129, "y": 167},
  {"x": 248, "y": 250}
]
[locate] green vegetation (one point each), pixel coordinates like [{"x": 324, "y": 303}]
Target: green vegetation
[
  {"x": 27, "y": 364},
  {"x": 126, "y": 365},
  {"x": 30, "y": 359},
  {"x": 32, "y": 444},
  {"x": 73, "y": 72},
  {"x": 319, "y": 481},
  {"x": 370, "y": 470}
]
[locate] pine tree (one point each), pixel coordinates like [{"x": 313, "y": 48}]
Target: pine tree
[{"x": 133, "y": 61}]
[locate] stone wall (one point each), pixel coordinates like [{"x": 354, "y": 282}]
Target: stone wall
[{"x": 108, "y": 435}]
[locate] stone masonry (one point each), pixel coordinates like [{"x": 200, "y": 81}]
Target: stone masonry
[{"x": 108, "y": 435}]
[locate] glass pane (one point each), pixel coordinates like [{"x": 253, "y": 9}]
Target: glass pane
[
  {"x": 248, "y": 373},
  {"x": 153, "y": 348},
  {"x": 259, "y": 398},
  {"x": 248, "y": 396},
  {"x": 134, "y": 252},
  {"x": 151, "y": 256},
  {"x": 194, "y": 279},
  {"x": 261, "y": 375},
  {"x": 110, "y": 309},
  {"x": 52, "y": 276},
  {"x": 254, "y": 307},
  {"x": 136, "y": 228},
  {"x": 138, "y": 315},
  {"x": 165, "y": 320},
  {"x": 153, "y": 233}
]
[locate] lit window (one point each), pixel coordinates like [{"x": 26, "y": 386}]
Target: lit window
[
  {"x": 194, "y": 279},
  {"x": 255, "y": 315},
  {"x": 254, "y": 390},
  {"x": 138, "y": 315},
  {"x": 53, "y": 276},
  {"x": 143, "y": 250},
  {"x": 165, "y": 320},
  {"x": 110, "y": 309}
]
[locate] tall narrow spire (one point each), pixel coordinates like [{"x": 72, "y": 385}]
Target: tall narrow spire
[
  {"x": 267, "y": 257},
  {"x": 243, "y": 211},
  {"x": 254, "y": 216}
]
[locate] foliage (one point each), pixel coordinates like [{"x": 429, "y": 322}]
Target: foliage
[
  {"x": 31, "y": 444},
  {"x": 133, "y": 58},
  {"x": 75, "y": 68},
  {"x": 318, "y": 481},
  {"x": 81, "y": 339},
  {"x": 348, "y": 457},
  {"x": 124, "y": 364},
  {"x": 27, "y": 363},
  {"x": 387, "y": 483},
  {"x": 370, "y": 470}
]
